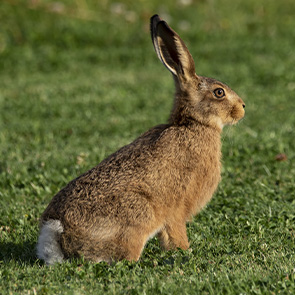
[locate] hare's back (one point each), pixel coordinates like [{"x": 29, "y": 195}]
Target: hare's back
[{"x": 116, "y": 181}]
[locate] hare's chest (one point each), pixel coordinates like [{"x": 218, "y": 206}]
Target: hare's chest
[{"x": 203, "y": 183}]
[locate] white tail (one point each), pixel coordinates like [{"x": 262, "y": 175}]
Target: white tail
[{"x": 48, "y": 247}]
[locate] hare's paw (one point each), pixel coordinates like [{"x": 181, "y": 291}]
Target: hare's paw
[{"x": 174, "y": 236}]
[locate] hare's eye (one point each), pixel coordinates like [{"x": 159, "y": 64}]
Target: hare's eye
[{"x": 219, "y": 92}]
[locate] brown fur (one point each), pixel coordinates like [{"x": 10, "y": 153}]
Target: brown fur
[{"x": 158, "y": 182}]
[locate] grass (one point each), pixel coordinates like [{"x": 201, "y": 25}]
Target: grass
[{"x": 79, "y": 79}]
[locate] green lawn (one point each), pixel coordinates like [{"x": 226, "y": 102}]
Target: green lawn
[{"x": 79, "y": 79}]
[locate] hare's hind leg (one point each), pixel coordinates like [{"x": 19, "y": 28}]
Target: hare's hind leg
[
  {"x": 131, "y": 247},
  {"x": 48, "y": 247},
  {"x": 127, "y": 246},
  {"x": 135, "y": 239},
  {"x": 123, "y": 245},
  {"x": 174, "y": 236}
]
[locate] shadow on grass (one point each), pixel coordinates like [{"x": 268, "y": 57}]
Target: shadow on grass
[
  {"x": 25, "y": 253},
  {"x": 21, "y": 253}
]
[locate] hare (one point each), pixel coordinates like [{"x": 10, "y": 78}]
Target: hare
[{"x": 154, "y": 185}]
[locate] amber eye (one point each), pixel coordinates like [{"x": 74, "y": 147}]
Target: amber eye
[{"x": 219, "y": 92}]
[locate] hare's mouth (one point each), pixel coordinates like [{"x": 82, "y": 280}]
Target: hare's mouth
[{"x": 234, "y": 121}]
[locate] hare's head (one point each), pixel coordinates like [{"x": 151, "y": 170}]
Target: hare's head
[{"x": 197, "y": 98}]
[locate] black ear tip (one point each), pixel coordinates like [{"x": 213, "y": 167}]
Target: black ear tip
[
  {"x": 154, "y": 16},
  {"x": 155, "y": 19}
]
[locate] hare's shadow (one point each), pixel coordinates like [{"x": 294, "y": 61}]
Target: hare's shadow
[{"x": 23, "y": 252}]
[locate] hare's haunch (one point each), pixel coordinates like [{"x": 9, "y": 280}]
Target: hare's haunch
[{"x": 153, "y": 185}]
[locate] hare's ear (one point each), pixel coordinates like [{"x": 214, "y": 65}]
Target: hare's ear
[{"x": 170, "y": 49}]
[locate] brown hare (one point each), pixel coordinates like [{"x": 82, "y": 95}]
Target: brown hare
[{"x": 154, "y": 185}]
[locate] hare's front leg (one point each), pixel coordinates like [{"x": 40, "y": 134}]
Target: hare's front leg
[{"x": 174, "y": 236}]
